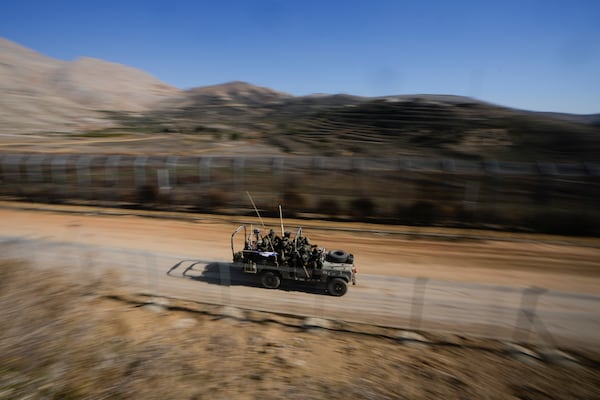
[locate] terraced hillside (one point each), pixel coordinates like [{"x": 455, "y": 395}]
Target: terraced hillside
[
  {"x": 437, "y": 126},
  {"x": 341, "y": 125}
]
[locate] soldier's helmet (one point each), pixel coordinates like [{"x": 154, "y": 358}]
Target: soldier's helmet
[
  {"x": 271, "y": 232},
  {"x": 256, "y": 230},
  {"x": 287, "y": 234}
]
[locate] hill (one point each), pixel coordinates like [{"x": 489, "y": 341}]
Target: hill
[
  {"x": 42, "y": 94},
  {"x": 94, "y": 97},
  {"x": 414, "y": 125}
]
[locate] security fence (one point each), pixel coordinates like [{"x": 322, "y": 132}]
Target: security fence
[
  {"x": 551, "y": 197},
  {"x": 527, "y": 315}
]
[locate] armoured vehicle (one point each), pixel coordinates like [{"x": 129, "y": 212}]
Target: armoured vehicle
[{"x": 275, "y": 258}]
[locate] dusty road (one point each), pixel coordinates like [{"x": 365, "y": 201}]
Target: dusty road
[{"x": 464, "y": 285}]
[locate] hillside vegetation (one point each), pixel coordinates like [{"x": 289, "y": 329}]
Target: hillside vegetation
[{"x": 97, "y": 99}]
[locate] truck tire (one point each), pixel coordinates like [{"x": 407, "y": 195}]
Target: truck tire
[
  {"x": 337, "y": 287},
  {"x": 339, "y": 256},
  {"x": 270, "y": 280}
]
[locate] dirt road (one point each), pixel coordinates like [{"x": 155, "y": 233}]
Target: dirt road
[
  {"x": 565, "y": 264},
  {"x": 466, "y": 283}
]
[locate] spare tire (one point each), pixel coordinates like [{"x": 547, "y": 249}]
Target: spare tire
[{"x": 339, "y": 256}]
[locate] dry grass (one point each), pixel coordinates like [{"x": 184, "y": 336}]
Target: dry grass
[{"x": 65, "y": 340}]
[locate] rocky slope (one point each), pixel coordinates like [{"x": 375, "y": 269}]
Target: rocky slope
[{"x": 42, "y": 94}]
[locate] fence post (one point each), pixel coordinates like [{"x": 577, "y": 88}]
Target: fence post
[
  {"x": 83, "y": 173},
  {"x": 471, "y": 195},
  {"x": 416, "y": 313},
  {"x": 34, "y": 168},
  {"x": 139, "y": 166},
  {"x": 527, "y": 313},
  {"x": 317, "y": 163},
  {"x": 112, "y": 169},
  {"x": 225, "y": 282},
  {"x": 491, "y": 167},
  {"x": 13, "y": 160},
  {"x": 204, "y": 169},
  {"x": 162, "y": 177},
  {"x": 172, "y": 162},
  {"x": 59, "y": 166},
  {"x": 277, "y": 166},
  {"x": 277, "y": 163},
  {"x": 153, "y": 287}
]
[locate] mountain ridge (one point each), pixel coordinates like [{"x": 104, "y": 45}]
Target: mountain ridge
[
  {"x": 43, "y": 94},
  {"x": 46, "y": 95}
]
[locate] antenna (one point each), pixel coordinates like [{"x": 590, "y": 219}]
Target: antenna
[
  {"x": 281, "y": 220},
  {"x": 255, "y": 209}
]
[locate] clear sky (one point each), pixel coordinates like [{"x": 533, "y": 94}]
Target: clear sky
[{"x": 533, "y": 54}]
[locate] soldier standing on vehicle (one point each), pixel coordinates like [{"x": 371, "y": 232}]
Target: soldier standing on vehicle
[{"x": 302, "y": 249}]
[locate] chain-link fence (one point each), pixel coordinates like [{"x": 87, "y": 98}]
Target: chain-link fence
[{"x": 548, "y": 197}]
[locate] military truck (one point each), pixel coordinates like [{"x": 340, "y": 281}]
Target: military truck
[{"x": 275, "y": 258}]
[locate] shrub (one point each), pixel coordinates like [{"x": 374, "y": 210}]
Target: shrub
[
  {"x": 564, "y": 223},
  {"x": 216, "y": 198},
  {"x": 293, "y": 202},
  {"x": 419, "y": 213},
  {"x": 423, "y": 213},
  {"x": 147, "y": 194},
  {"x": 362, "y": 207},
  {"x": 212, "y": 199},
  {"x": 329, "y": 207}
]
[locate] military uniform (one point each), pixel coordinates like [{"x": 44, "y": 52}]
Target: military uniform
[
  {"x": 285, "y": 248},
  {"x": 272, "y": 241}
]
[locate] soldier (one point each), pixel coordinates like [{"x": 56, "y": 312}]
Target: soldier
[
  {"x": 286, "y": 242},
  {"x": 272, "y": 240},
  {"x": 301, "y": 250},
  {"x": 256, "y": 239},
  {"x": 261, "y": 245},
  {"x": 314, "y": 257},
  {"x": 285, "y": 247}
]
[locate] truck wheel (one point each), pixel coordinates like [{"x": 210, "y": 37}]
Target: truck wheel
[
  {"x": 339, "y": 256},
  {"x": 337, "y": 287},
  {"x": 270, "y": 280}
]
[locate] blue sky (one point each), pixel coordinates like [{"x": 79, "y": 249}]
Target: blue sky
[{"x": 536, "y": 55}]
